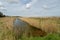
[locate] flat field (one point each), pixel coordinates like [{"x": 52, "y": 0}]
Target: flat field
[{"x": 50, "y": 25}]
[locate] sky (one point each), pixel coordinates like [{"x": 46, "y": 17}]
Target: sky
[{"x": 30, "y": 8}]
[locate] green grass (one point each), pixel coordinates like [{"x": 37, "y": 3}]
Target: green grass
[{"x": 48, "y": 37}]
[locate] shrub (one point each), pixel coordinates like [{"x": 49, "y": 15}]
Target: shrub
[{"x": 1, "y": 14}]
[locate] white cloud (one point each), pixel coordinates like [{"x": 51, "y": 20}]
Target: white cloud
[
  {"x": 28, "y": 5},
  {"x": 34, "y": 1},
  {"x": 2, "y": 8},
  {"x": 45, "y": 6},
  {"x": 1, "y": 4},
  {"x": 12, "y": 1}
]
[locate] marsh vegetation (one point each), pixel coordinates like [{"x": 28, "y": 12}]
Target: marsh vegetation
[{"x": 38, "y": 26}]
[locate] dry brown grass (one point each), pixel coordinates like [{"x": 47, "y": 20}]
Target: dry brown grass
[
  {"x": 51, "y": 25},
  {"x": 6, "y": 24},
  {"x": 32, "y": 21},
  {"x": 46, "y": 24},
  {"x": 7, "y": 21}
]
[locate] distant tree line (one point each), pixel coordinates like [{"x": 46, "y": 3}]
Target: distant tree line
[{"x": 1, "y": 14}]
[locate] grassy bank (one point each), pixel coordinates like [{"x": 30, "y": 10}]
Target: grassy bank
[
  {"x": 46, "y": 24},
  {"x": 49, "y": 24}
]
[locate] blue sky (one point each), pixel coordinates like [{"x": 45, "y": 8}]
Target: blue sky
[{"x": 28, "y": 8}]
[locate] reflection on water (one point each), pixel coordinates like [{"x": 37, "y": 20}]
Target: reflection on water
[
  {"x": 20, "y": 27},
  {"x": 19, "y": 23}
]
